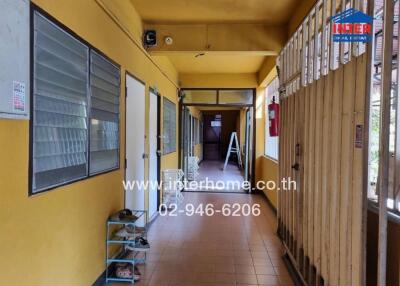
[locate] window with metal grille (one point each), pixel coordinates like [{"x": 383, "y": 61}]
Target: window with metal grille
[
  {"x": 169, "y": 126},
  {"x": 104, "y": 114},
  {"x": 63, "y": 66}
]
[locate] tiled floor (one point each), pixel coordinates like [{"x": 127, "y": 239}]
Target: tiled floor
[
  {"x": 216, "y": 250},
  {"x": 212, "y": 171}
]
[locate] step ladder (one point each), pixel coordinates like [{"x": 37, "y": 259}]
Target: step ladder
[{"x": 232, "y": 149}]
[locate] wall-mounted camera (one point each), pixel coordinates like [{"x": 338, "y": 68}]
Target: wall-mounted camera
[{"x": 150, "y": 38}]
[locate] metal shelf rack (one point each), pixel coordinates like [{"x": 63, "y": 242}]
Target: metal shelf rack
[{"x": 121, "y": 254}]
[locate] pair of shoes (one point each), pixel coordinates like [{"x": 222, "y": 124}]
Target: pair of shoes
[
  {"x": 127, "y": 271},
  {"x": 130, "y": 232},
  {"x": 124, "y": 215},
  {"x": 141, "y": 244}
]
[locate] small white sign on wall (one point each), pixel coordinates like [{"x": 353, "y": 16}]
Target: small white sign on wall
[
  {"x": 14, "y": 59},
  {"x": 19, "y": 97}
]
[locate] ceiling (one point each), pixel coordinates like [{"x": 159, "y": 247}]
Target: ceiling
[
  {"x": 191, "y": 12},
  {"x": 216, "y": 63},
  {"x": 215, "y": 11}
]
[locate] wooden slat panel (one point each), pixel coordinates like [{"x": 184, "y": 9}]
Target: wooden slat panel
[
  {"x": 324, "y": 217},
  {"x": 325, "y": 175},
  {"x": 317, "y": 173},
  {"x": 300, "y": 185},
  {"x": 384, "y": 141},
  {"x": 358, "y": 201},
  {"x": 306, "y": 189},
  {"x": 290, "y": 171},
  {"x": 286, "y": 161},
  {"x": 346, "y": 171},
  {"x": 281, "y": 158},
  {"x": 282, "y": 167},
  {"x": 300, "y": 172},
  {"x": 311, "y": 172},
  {"x": 334, "y": 178}
]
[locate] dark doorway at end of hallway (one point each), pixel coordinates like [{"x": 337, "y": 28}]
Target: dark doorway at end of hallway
[{"x": 218, "y": 127}]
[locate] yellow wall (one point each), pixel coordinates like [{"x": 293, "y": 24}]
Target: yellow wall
[
  {"x": 266, "y": 169},
  {"x": 57, "y": 237},
  {"x": 242, "y": 127},
  {"x": 198, "y": 148}
]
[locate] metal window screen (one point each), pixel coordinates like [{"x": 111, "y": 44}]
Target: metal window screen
[
  {"x": 60, "y": 121},
  {"x": 169, "y": 126},
  {"x": 104, "y": 114}
]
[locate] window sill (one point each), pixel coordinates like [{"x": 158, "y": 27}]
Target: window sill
[
  {"x": 34, "y": 194},
  {"x": 392, "y": 216},
  {"x": 271, "y": 159}
]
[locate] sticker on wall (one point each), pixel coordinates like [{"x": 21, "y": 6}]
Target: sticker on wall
[
  {"x": 359, "y": 136},
  {"x": 18, "y": 100}
]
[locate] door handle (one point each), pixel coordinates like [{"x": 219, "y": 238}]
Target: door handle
[
  {"x": 296, "y": 166},
  {"x": 158, "y": 153}
]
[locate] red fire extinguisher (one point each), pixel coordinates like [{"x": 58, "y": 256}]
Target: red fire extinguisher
[{"x": 273, "y": 114}]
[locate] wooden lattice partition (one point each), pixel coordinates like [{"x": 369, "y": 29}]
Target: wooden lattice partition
[{"x": 322, "y": 222}]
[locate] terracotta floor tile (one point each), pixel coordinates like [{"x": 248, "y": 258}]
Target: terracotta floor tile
[
  {"x": 262, "y": 261},
  {"x": 224, "y": 268},
  {"x": 243, "y": 260},
  {"x": 270, "y": 280},
  {"x": 250, "y": 279},
  {"x": 225, "y": 278},
  {"x": 260, "y": 254},
  {"x": 264, "y": 270},
  {"x": 244, "y": 269}
]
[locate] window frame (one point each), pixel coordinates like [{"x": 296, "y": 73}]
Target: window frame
[
  {"x": 36, "y": 9},
  {"x": 164, "y": 129},
  {"x": 266, "y": 122}
]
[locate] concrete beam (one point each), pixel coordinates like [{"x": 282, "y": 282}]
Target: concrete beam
[
  {"x": 231, "y": 80},
  {"x": 267, "y": 71},
  {"x": 251, "y": 38}
]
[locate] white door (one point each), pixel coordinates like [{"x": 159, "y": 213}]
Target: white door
[
  {"x": 135, "y": 141},
  {"x": 153, "y": 155}
]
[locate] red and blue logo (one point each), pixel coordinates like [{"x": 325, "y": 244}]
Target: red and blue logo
[{"x": 352, "y": 25}]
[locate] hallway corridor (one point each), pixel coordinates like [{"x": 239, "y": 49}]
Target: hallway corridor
[{"x": 217, "y": 250}]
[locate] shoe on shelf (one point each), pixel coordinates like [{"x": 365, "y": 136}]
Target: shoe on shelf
[
  {"x": 136, "y": 274},
  {"x": 130, "y": 232},
  {"x": 141, "y": 244},
  {"x": 124, "y": 271},
  {"x": 124, "y": 215}
]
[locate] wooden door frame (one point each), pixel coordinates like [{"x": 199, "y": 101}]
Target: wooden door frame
[{"x": 156, "y": 93}]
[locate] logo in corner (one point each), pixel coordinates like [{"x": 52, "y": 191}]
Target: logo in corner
[{"x": 352, "y": 25}]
